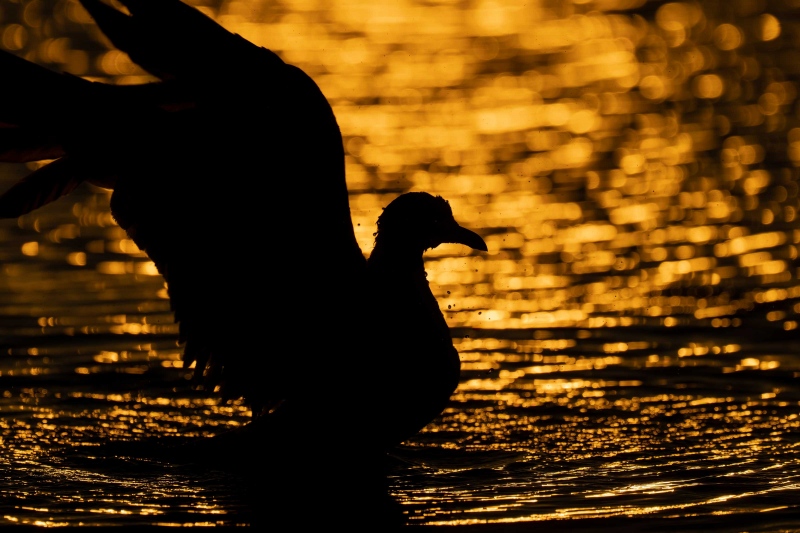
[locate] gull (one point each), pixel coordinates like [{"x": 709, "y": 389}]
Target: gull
[{"x": 229, "y": 174}]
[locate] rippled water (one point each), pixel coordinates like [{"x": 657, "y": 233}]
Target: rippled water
[{"x": 629, "y": 342}]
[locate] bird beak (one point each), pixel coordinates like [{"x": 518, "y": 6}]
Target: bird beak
[{"x": 461, "y": 235}]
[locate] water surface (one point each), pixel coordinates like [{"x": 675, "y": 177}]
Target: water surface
[{"x": 629, "y": 343}]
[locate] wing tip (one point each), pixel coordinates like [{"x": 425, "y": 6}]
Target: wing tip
[{"x": 41, "y": 187}]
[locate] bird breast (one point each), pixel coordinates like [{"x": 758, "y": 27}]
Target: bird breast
[{"x": 419, "y": 366}]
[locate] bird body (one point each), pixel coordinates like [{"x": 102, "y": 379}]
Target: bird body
[
  {"x": 406, "y": 314},
  {"x": 203, "y": 165}
]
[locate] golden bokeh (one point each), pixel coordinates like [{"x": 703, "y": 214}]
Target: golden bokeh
[{"x": 634, "y": 168}]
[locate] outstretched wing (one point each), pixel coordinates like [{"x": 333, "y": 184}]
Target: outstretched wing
[
  {"x": 39, "y": 188},
  {"x": 170, "y": 39},
  {"x": 230, "y": 175},
  {"x": 45, "y": 113}
]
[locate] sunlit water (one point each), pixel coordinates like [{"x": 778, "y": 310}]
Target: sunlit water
[{"x": 629, "y": 342}]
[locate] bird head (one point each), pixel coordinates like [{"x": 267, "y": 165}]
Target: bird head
[{"x": 418, "y": 221}]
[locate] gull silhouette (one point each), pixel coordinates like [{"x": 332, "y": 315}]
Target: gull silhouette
[{"x": 229, "y": 174}]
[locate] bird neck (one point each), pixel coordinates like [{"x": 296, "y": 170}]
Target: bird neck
[{"x": 396, "y": 257}]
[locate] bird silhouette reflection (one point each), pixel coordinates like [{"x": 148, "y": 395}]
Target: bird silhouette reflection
[{"x": 230, "y": 138}]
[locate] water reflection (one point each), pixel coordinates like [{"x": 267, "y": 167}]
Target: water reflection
[{"x": 629, "y": 344}]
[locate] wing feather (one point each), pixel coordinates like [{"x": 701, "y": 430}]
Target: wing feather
[
  {"x": 39, "y": 188},
  {"x": 171, "y": 40},
  {"x": 23, "y": 145},
  {"x": 198, "y": 189}
]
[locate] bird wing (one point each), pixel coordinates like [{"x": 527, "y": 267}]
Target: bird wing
[
  {"x": 229, "y": 174},
  {"x": 170, "y": 39},
  {"x": 39, "y": 188},
  {"x": 43, "y": 112},
  {"x": 22, "y": 145}
]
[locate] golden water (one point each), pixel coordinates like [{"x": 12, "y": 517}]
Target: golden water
[{"x": 629, "y": 340}]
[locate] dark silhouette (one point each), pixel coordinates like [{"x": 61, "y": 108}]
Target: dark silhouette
[
  {"x": 229, "y": 174},
  {"x": 412, "y": 331}
]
